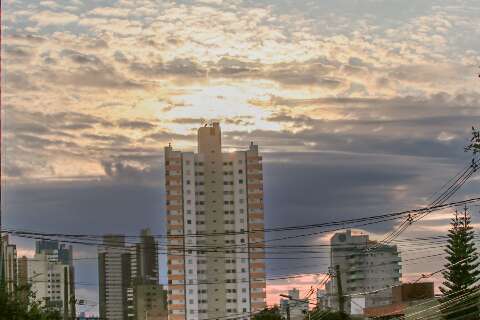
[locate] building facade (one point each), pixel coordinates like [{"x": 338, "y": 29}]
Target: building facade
[
  {"x": 362, "y": 271},
  {"x": 22, "y": 278},
  {"x": 128, "y": 279},
  {"x": 52, "y": 278},
  {"x": 150, "y": 297},
  {"x": 9, "y": 268},
  {"x": 214, "y": 206},
  {"x": 115, "y": 286},
  {"x": 150, "y": 301}
]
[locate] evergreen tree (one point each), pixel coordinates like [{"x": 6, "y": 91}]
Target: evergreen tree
[{"x": 460, "y": 290}]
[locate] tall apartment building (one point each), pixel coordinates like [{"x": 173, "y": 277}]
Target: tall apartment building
[
  {"x": 150, "y": 297},
  {"x": 52, "y": 277},
  {"x": 63, "y": 252},
  {"x": 146, "y": 257},
  {"x": 9, "y": 268},
  {"x": 115, "y": 287},
  {"x": 363, "y": 271},
  {"x": 214, "y": 206},
  {"x": 128, "y": 279},
  {"x": 22, "y": 278}
]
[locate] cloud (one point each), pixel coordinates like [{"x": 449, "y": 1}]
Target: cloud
[
  {"x": 95, "y": 77},
  {"x": 51, "y": 18},
  {"x": 177, "y": 67},
  {"x": 136, "y": 124},
  {"x": 110, "y": 12},
  {"x": 355, "y": 114},
  {"x": 129, "y": 173}
]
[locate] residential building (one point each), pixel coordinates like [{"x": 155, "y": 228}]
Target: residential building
[
  {"x": 52, "y": 278},
  {"x": 115, "y": 285},
  {"x": 150, "y": 301},
  {"x": 297, "y": 307},
  {"x": 150, "y": 297},
  {"x": 9, "y": 252},
  {"x": 214, "y": 199},
  {"x": 63, "y": 252},
  {"x": 365, "y": 266},
  {"x": 146, "y": 256},
  {"x": 128, "y": 279},
  {"x": 22, "y": 278},
  {"x": 22, "y": 271}
]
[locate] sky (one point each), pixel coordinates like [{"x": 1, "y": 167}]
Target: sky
[{"x": 359, "y": 107}]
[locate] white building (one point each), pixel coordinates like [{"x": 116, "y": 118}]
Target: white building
[
  {"x": 298, "y": 309},
  {"x": 219, "y": 194},
  {"x": 362, "y": 271},
  {"x": 52, "y": 282}
]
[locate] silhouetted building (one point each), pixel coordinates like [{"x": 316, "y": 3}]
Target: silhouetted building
[
  {"x": 149, "y": 295},
  {"x": 22, "y": 278},
  {"x": 9, "y": 268},
  {"x": 147, "y": 258},
  {"x": 115, "y": 287},
  {"x": 150, "y": 302},
  {"x": 128, "y": 279}
]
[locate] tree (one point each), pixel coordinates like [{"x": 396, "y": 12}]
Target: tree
[
  {"x": 325, "y": 314},
  {"x": 272, "y": 313},
  {"x": 460, "y": 289},
  {"x": 474, "y": 145},
  {"x": 14, "y": 307}
]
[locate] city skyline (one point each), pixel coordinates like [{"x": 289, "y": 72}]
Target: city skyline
[{"x": 359, "y": 108}]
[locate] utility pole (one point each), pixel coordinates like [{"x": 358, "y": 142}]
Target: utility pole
[{"x": 341, "y": 297}]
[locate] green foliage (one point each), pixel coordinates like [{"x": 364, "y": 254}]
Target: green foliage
[
  {"x": 328, "y": 315},
  {"x": 22, "y": 306},
  {"x": 474, "y": 145},
  {"x": 460, "y": 290},
  {"x": 268, "y": 314}
]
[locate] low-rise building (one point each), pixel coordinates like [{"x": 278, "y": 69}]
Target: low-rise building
[
  {"x": 297, "y": 307},
  {"x": 408, "y": 300}
]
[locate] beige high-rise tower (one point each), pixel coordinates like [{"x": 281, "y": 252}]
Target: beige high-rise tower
[{"x": 216, "y": 257}]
